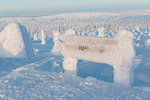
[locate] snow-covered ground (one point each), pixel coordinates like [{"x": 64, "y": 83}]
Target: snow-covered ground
[{"x": 43, "y": 76}]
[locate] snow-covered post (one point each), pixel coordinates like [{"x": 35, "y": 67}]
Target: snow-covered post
[
  {"x": 43, "y": 37},
  {"x": 70, "y": 63},
  {"x": 123, "y": 76},
  {"x": 56, "y": 40},
  {"x": 123, "y": 70}
]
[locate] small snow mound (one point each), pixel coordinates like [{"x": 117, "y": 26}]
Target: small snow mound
[{"x": 14, "y": 41}]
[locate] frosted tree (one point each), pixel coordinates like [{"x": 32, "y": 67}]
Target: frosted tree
[
  {"x": 101, "y": 32},
  {"x": 43, "y": 37},
  {"x": 35, "y": 37},
  {"x": 70, "y": 32},
  {"x": 56, "y": 40}
]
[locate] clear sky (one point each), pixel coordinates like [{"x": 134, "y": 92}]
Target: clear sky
[{"x": 10, "y": 6}]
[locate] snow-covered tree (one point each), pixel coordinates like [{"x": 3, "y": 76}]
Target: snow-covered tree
[{"x": 43, "y": 41}]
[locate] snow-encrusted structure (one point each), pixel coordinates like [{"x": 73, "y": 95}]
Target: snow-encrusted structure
[
  {"x": 15, "y": 42},
  {"x": 118, "y": 52}
]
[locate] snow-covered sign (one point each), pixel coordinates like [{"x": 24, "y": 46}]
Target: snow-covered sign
[{"x": 117, "y": 51}]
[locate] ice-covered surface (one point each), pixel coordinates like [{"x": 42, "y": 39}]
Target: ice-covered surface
[{"x": 15, "y": 41}]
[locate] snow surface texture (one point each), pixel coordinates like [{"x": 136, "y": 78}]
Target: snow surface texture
[
  {"x": 15, "y": 42},
  {"x": 31, "y": 82},
  {"x": 118, "y": 52},
  {"x": 56, "y": 39}
]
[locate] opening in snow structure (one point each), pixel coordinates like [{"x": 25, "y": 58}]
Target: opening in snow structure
[{"x": 117, "y": 52}]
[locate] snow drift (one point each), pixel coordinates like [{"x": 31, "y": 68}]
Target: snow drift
[{"x": 15, "y": 42}]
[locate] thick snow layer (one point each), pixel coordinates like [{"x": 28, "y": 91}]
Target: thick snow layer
[{"x": 15, "y": 41}]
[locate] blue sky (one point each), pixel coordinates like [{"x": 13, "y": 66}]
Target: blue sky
[{"x": 10, "y": 6}]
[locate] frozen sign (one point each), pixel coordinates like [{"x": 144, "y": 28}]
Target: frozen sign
[{"x": 117, "y": 51}]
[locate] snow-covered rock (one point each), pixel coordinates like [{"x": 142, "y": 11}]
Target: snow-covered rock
[{"x": 15, "y": 42}]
